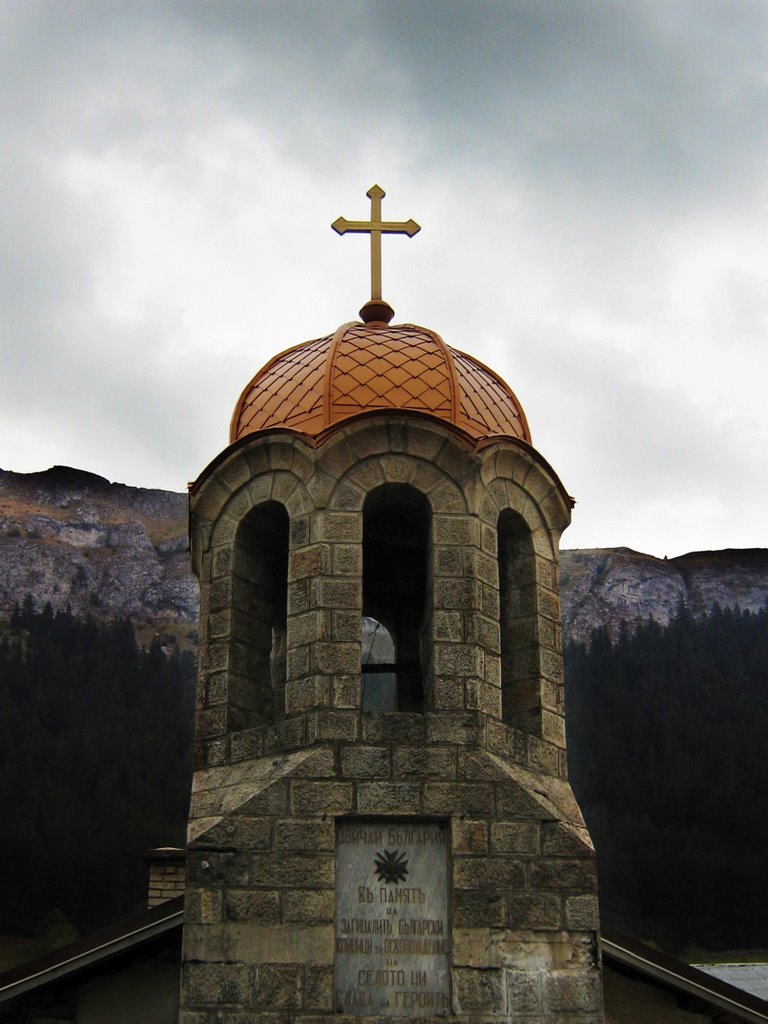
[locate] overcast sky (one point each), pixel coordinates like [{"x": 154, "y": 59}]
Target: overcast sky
[{"x": 591, "y": 179}]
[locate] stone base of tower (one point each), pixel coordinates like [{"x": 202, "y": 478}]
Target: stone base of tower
[
  {"x": 263, "y": 939},
  {"x": 423, "y": 862}
]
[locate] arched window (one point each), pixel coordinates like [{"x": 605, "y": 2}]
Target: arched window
[
  {"x": 259, "y": 615},
  {"x": 520, "y": 697},
  {"x": 395, "y": 552}
]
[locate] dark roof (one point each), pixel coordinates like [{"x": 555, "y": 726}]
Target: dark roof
[
  {"x": 675, "y": 974},
  {"x": 92, "y": 949}
]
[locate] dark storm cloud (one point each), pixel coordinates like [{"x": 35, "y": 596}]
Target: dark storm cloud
[{"x": 590, "y": 176}]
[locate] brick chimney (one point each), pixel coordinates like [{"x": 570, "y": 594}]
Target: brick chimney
[{"x": 167, "y": 874}]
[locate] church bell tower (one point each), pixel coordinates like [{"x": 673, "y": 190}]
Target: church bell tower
[{"x": 381, "y": 821}]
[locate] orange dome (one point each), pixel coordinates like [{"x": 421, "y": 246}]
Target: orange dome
[{"x": 372, "y": 367}]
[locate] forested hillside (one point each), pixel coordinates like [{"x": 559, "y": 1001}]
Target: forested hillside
[
  {"x": 667, "y": 736},
  {"x": 666, "y": 732},
  {"x": 95, "y": 764}
]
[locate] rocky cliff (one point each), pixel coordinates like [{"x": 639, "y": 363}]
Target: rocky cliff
[
  {"x": 608, "y": 586},
  {"x": 67, "y": 536},
  {"x": 71, "y": 537}
]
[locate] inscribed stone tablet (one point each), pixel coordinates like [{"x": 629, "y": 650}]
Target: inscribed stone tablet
[{"x": 392, "y": 928}]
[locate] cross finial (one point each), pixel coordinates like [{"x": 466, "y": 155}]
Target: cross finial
[{"x": 377, "y": 308}]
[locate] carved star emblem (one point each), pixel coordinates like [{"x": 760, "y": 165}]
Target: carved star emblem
[{"x": 391, "y": 866}]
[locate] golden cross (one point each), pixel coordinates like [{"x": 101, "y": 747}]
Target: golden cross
[{"x": 375, "y": 226}]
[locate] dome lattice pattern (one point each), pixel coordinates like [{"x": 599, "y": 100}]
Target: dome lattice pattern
[{"x": 372, "y": 367}]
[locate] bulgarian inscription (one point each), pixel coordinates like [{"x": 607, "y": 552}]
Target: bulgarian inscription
[{"x": 392, "y": 929}]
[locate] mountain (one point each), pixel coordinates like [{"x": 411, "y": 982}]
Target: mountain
[
  {"x": 608, "y": 586},
  {"x": 71, "y": 537}
]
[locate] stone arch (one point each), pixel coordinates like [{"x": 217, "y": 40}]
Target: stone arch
[
  {"x": 396, "y": 556},
  {"x": 259, "y": 612},
  {"x": 527, "y": 511}
]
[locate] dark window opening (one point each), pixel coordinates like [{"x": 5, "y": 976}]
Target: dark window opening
[
  {"x": 260, "y": 606},
  {"x": 520, "y": 697},
  {"x": 395, "y": 551}
]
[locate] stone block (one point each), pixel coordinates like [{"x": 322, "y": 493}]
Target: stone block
[
  {"x": 324, "y": 797},
  {"x": 448, "y": 693},
  {"x": 564, "y": 874},
  {"x": 299, "y": 532},
  {"x": 320, "y": 764},
  {"x": 534, "y": 911},
  {"x": 305, "y": 834},
  {"x": 458, "y": 660},
  {"x": 309, "y": 906},
  {"x": 253, "y": 905},
  {"x": 335, "y": 724},
  {"x": 581, "y": 912},
  {"x": 573, "y": 991},
  {"x": 286, "y": 735},
  {"x": 336, "y": 593},
  {"x": 347, "y": 497},
  {"x": 388, "y": 797},
  {"x": 346, "y": 691},
  {"x": 318, "y": 989},
  {"x": 307, "y": 627},
  {"x": 543, "y": 755},
  {"x": 469, "y": 836},
  {"x": 489, "y": 540},
  {"x": 485, "y": 631},
  {"x": 524, "y": 991},
  {"x": 424, "y": 762},
  {"x": 347, "y": 559},
  {"x": 495, "y": 873},
  {"x": 448, "y": 625},
  {"x": 215, "y": 983},
  {"x": 462, "y": 594},
  {"x": 424, "y": 477},
  {"x": 451, "y": 727},
  {"x": 298, "y": 596},
  {"x": 561, "y": 840},
  {"x": 339, "y": 526},
  {"x": 298, "y": 662},
  {"x": 457, "y": 798},
  {"x": 515, "y": 837},
  {"x": 331, "y": 658},
  {"x": 448, "y": 561},
  {"x": 477, "y": 909},
  {"x": 394, "y": 728},
  {"x": 242, "y": 832},
  {"x": 284, "y": 870},
  {"x": 278, "y": 986},
  {"x": 310, "y": 692},
  {"x": 396, "y": 469},
  {"x": 335, "y": 457},
  {"x": 365, "y": 762},
  {"x": 482, "y": 697},
  {"x": 309, "y": 561},
  {"x": 479, "y": 990}
]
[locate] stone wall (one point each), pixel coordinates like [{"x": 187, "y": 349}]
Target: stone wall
[{"x": 261, "y": 898}]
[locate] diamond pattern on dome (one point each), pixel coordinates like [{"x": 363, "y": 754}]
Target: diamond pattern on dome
[
  {"x": 288, "y": 392},
  {"x": 377, "y": 367},
  {"x": 487, "y": 406},
  {"x": 369, "y": 367}
]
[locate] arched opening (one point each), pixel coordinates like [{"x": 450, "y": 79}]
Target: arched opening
[
  {"x": 259, "y": 615},
  {"x": 520, "y": 696},
  {"x": 396, "y": 521}
]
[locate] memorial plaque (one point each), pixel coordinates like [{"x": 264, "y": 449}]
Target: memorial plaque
[{"x": 392, "y": 928}]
